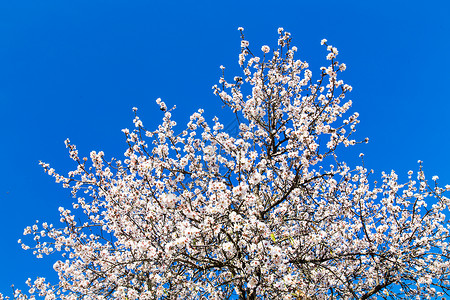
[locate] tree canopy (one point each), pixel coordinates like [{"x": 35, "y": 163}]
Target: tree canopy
[{"x": 271, "y": 212}]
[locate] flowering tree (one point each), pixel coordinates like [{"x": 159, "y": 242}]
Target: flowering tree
[{"x": 270, "y": 213}]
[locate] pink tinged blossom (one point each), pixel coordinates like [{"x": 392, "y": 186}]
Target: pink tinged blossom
[
  {"x": 252, "y": 283},
  {"x": 168, "y": 200},
  {"x": 228, "y": 247}
]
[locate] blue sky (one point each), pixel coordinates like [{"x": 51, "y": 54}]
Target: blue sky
[{"x": 76, "y": 68}]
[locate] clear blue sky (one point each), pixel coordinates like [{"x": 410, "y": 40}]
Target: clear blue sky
[{"x": 76, "y": 68}]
